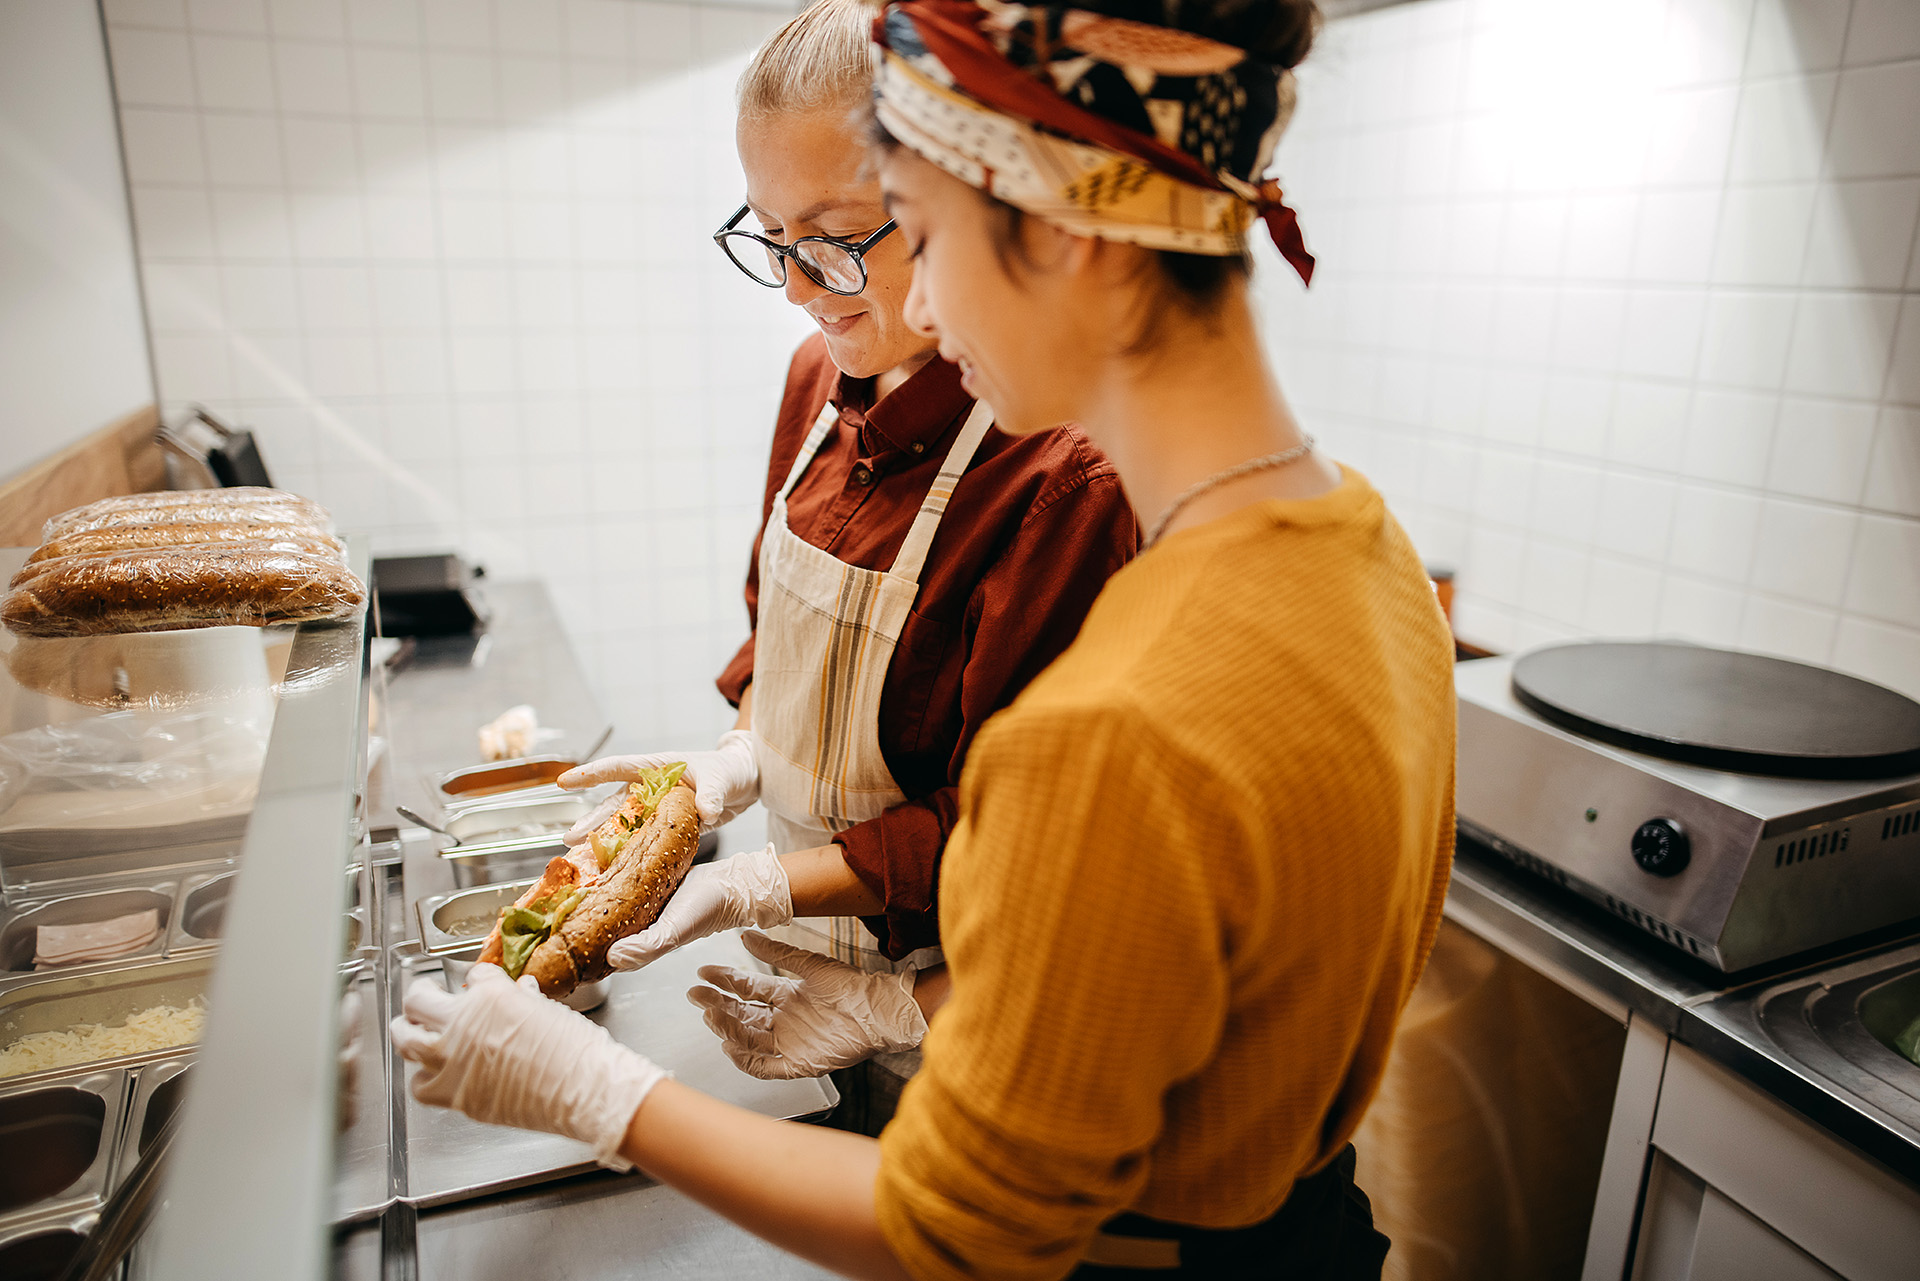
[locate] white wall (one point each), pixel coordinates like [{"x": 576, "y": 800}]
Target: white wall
[
  {"x": 1620, "y": 305},
  {"x": 451, "y": 258},
  {"x": 73, "y": 348}
]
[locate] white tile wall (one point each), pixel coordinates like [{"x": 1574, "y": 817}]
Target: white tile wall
[
  {"x": 450, "y": 258},
  {"x": 1620, "y": 305}
]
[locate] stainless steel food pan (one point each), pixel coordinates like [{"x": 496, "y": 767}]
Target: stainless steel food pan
[
  {"x": 158, "y": 1091},
  {"x": 17, "y": 935},
  {"x": 500, "y": 777},
  {"x": 40, "y": 1249},
  {"x": 202, "y": 920},
  {"x": 455, "y": 964},
  {"x": 548, "y": 814},
  {"x": 57, "y": 1140},
  {"x": 452, "y": 921},
  {"x": 454, "y": 927},
  {"x": 50, "y": 1003},
  {"x": 491, "y": 862}
]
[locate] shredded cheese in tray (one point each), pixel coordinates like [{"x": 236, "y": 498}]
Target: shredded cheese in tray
[{"x": 159, "y": 1027}]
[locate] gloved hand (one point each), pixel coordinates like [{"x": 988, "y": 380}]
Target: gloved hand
[
  {"x": 725, "y": 781},
  {"x": 504, "y": 1054},
  {"x": 832, "y": 1016},
  {"x": 747, "y": 889}
]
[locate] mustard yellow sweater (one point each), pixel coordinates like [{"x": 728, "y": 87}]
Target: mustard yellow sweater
[{"x": 1198, "y": 867}]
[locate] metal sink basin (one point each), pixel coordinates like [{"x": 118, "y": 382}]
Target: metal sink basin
[
  {"x": 1841, "y": 1024},
  {"x": 1862, "y": 1017},
  {"x": 1891, "y": 1011}
]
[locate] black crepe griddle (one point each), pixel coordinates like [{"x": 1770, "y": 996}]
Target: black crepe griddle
[{"x": 1722, "y": 708}]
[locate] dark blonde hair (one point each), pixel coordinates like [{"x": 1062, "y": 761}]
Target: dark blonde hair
[{"x": 822, "y": 58}]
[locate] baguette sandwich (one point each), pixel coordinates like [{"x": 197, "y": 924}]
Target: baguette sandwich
[{"x": 610, "y": 886}]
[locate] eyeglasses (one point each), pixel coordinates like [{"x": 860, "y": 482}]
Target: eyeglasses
[{"x": 834, "y": 264}]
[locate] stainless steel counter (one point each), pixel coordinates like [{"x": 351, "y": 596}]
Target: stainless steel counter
[
  {"x": 603, "y": 1226},
  {"x": 1632, "y": 975},
  {"x": 596, "y": 1225},
  {"x": 441, "y": 690}
]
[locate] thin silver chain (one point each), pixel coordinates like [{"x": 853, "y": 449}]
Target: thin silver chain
[{"x": 1235, "y": 472}]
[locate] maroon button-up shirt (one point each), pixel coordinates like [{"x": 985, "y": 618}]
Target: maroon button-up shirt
[{"x": 1034, "y": 529}]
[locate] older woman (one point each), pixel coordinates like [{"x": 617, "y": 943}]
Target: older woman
[
  {"x": 1160, "y": 1035},
  {"x": 915, "y": 568}
]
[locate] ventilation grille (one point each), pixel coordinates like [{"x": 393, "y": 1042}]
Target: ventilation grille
[
  {"x": 1539, "y": 866},
  {"x": 1900, "y": 825},
  {"x": 1787, "y": 853},
  {"x": 1653, "y": 925}
]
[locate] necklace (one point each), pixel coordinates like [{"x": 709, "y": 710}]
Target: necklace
[{"x": 1263, "y": 463}]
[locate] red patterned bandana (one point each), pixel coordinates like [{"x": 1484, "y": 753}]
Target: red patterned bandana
[{"x": 1103, "y": 126}]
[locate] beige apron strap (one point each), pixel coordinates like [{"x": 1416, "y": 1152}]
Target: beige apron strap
[
  {"x": 823, "y": 425},
  {"x": 913, "y": 552}
]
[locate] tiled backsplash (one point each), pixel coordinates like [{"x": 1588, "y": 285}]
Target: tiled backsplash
[
  {"x": 1619, "y": 303},
  {"x": 450, "y": 259}
]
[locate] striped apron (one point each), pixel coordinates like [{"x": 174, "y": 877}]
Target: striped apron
[{"x": 827, "y": 632}]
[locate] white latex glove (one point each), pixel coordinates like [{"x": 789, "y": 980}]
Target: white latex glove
[
  {"x": 504, "y": 1054},
  {"x": 832, "y": 1016},
  {"x": 725, "y": 781},
  {"x": 726, "y": 894}
]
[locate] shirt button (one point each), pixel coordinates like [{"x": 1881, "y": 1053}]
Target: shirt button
[
  {"x": 918, "y": 447},
  {"x": 862, "y": 476}
]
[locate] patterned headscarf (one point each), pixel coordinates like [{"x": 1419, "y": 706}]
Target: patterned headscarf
[{"x": 1100, "y": 125}]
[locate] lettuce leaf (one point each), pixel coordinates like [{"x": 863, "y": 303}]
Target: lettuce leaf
[
  {"x": 521, "y": 930},
  {"x": 1908, "y": 1042},
  {"x": 524, "y": 928},
  {"x": 653, "y": 786},
  {"x": 650, "y": 789}
]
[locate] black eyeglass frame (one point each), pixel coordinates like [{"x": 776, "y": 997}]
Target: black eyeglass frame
[{"x": 857, "y": 250}]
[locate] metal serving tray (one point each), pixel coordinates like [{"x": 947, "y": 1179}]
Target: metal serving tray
[
  {"x": 552, "y": 811},
  {"x": 500, "y": 777},
  {"x": 201, "y": 921},
  {"x": 454, "y": 927},
  {"x": 453, "y": 922},
  {"x": 491, "y": 862},
  {"x": 202, "y": 917},
  {"x": 58, "y": 1136},
  {"x": 39, "y": 1236},
  {"x": 158, "y": 1090},
  {"x": 17, "y": 934},
  {"x": 39, "y": 1249},
  {"x": 54, "y": 1001},
  {"x": 360, "y": 1182},
  {"x": 450, "y": 1158}
]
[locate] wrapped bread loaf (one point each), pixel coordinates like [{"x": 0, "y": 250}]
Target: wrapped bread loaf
[
  {"x": 120, "y": 538},
  {"x": 218, "y": 584},
  {"x": 241, "y": 504}
]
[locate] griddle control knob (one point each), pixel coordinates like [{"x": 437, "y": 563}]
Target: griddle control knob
[{"x": 1660, "y": 846}]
